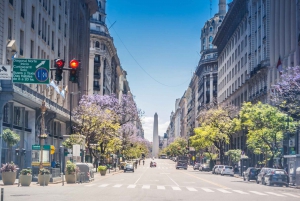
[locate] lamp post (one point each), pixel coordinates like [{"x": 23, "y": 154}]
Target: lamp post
[
  {"x": 71, "y": 97},
  {"x": 43, "y": 135}
]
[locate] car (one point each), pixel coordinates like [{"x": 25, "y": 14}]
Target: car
[
  {"x": 204, "y": 167},
  {"x": 261, "y": 176},
  {"x": 196, "y": 166},
  {"x": 218, "y": 169},
  {"x": 227, "y": 170},
  {"x": 129, "y": 167},
  {"x": 276, "y": 176},
  {"x": 251, "y": 173}
]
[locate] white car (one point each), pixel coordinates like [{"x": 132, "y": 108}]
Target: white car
[
  {"x": 218, "y": 169},
  {"x": 227, "y": 170}
]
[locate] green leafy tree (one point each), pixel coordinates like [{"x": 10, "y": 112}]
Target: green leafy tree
[
  {"x": 72, "y": 140},
  {"x": 176, "y": 148},
  {"x": 265, "y": 125},
  {"x": 216, "y": 128},
  {"x": 234, "y": 155},
  {"x": 10, "y": 138}
]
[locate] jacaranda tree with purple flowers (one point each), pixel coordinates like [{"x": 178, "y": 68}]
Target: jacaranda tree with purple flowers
[{"x": 286, "y": 93}]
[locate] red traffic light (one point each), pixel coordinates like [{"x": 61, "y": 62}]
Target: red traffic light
[
  {"x": 59, "y": 63},
  {"x": 74, "y": 63}
]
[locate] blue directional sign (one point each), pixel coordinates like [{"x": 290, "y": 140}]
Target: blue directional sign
[{"x": 41, "y": 74}]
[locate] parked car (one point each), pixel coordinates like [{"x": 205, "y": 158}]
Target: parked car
[
  {"x": 129, "y": 167},
  {"x": 218, "y": 169},
  {"x": 276, "y": 176},
  {"x": 227, "y": 170},
  {"x": 213, "y": 171},
  {"x": 204, "y": 167},
  {"x": 261, "y": 176},
  {"x": 251, "y": 173},
  {"x": 196, "y": 166}
]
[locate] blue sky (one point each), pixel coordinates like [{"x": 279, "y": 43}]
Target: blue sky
[{"x": 162, "y": 37}]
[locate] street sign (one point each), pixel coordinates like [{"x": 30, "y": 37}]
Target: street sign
[
  {"x": 5, "y": 72},
  {"x": 38, "y": 147},
  {"x": 76, "y": 150},
  {"x": 32, "y": 71}
]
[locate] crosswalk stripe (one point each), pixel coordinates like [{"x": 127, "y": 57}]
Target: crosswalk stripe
[
  {"x": 103, "y": 185},
  {"x": 207, "y": 190},
  {"x": 131, "y": 186},
  {"x": 175, "y": 188},
  {"x": 295, "y": 196},
  {"x": 276, "y": 194},
  {"x": 161, "y": 187},
  {"x": 145, "y": 187},
  {"x": 90, "y": 185},
  {"x": 191, "y": 189},
  {"x": 117, "y": 185},
  {"x": 223, "y": 191},
  {"x": 257, "y": 193},
  {"x": 241, "y": 192}
]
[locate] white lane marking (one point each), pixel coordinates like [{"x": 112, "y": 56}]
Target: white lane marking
[
  {"x": 295, "y": 196},
  {"x": 175, "y": 188},
  {"x": 172, "y": 180},
  {"x": 140, "y": 177},
  {"x": 257, "y": 193},
  {"x": 207, "y": 190},
  {"x": 90, "y": 185},
  {"x": 131, "y": 186},
  {"x": 191, "y": 189},
  {"x": 103, "y": 185},
  {"x": 161, "y": 187},
  {"x": 223, "y": 191},
  {"x": 240, "y": 192},
  {"x": 276, "y": 194},
  {"x": 145, "y": 187},
  {"x": 117, "y": 185}
]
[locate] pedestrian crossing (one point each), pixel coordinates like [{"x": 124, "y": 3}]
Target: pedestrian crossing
[{"x": 194, "y": 189}]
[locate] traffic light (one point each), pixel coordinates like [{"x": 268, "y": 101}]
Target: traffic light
[
  {"x": 17, "y": 152},
  {"x": 23, "y": 152},
  {"x": 59, "y": 64},
  {"x": 73, "y": 72}
]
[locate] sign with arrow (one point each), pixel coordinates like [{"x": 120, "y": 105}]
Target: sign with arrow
[
  {"x": 5, "y": 72},
  {"x": 31, "y": 71}
]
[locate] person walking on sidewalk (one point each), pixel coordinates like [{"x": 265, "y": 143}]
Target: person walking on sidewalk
[{"x": 143, "y": 162}]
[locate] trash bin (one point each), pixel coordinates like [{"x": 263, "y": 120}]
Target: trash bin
[{"x": 297, "y": 182}]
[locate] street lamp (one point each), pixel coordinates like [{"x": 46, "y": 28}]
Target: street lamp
[
  {"x": 43, "y": 135},
  {"x": 71, "y": 97}
]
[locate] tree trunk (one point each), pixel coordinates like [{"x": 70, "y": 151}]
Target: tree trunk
[
  {"x": 271, "y": 162},
  {"x": 221, "y": 155}
]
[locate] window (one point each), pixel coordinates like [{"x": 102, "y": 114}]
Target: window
[
  {"x": 97, "y": 28},
  {"x": 245, "y": 41},
  {"x": 59, "y": 20},
  {"x": 17, "y": 116},
  {"x": 52, "y": 41},
  {"x": 38, "y": 52},
  {"x": 32, "y": 17},
  {"x": 64, "y": 52},
  {"x": 21, "y": 42},
  {"x": 39, "y": 24},
  {"x": 23, "y": 9},
  {"x": 100, "y": 18},
  {"x": 58, "y": 47},
  {"x": 99, "y": 4},
  {"x": 97, "y": 59},
  {"x": 53, "y": 16},
  {"x": 66, "y": 7},
  {"x": 11, "y": 2},
  {"x": 210, "y": 29},
  {"x": 26, "y": 119},
  {"x": 31, "y": 49},
  {"x": 9, "y": 29},
  {"x": 65, "y": 30},
  {"x": 6, "y": 113},
  {"x": 97, "y": 45},
  {"x": 96, "y": 83},
  {"x": 210, "y": 39}
]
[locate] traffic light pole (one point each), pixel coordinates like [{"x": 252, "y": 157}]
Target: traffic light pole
[{"x": 71, "y": 97}]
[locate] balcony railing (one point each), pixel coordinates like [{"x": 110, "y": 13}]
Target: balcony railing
[
  {"x": 101, "y": 33},
  {"x": 96, "y": 21},
  {"x": 97, "y": 75},
  {"x": 96, "y": 87}
]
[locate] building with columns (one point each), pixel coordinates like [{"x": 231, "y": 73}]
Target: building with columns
[{"x": 42, "y": 29}]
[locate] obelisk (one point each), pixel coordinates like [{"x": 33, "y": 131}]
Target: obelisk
[{"x": 155, "y": 145}]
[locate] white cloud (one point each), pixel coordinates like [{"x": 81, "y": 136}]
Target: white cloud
[{"x": 148, "y": 127}]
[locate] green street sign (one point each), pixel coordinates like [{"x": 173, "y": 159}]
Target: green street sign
[
  {"x": 31, "y": 71},
  {"x": 38, "y": 147}
]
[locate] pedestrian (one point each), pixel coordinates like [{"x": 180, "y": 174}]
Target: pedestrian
[
  {"x": 135, "y": 165},
  {"x": 53, "y": 163},
  {"x": 139, "y": 162},
  {"x": 143, "y": 162}
]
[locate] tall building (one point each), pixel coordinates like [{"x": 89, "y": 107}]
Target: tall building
[
  {"x": 155, "y": 144},
  {"x": 43, "y": 30},
  {"x": 105, "y": 73}
]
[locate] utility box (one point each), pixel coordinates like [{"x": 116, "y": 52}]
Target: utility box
[{"x": 293, "y": 162}]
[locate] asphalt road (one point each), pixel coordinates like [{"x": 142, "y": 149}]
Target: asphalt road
[{"x": 161, "y": 183}]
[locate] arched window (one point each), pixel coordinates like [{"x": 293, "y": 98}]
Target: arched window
[
  {"x": 97, "y": 44},
  {"x": 210, "y": 29},
  {"x": 99, "y": 4}
]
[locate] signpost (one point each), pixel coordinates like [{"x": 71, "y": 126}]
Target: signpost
[
  {"x": 31, "y": 71},
  {"x": 5, "y": 72}
]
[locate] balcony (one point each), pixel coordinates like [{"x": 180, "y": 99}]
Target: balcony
[
  {"x": 97, "y": 75},
  {"x": 96, "y": 21},
  {"x": 96, "y": 87},
  {"x": 101, "y": 33}
]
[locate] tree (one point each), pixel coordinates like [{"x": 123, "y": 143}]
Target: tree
[
  {"x": 285, "y": 94},
  {"x": 234, "y": 155},
  {"x": 10, "y": 138},
  {"x": 72, "y": 140},
  {"x": 216, "y": 128},
  {"x": 177, "y": 148},
  {"x": 265, "y": 125}
]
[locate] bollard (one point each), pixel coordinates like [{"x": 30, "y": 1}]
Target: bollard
[
  {"x": 2, "y": 193},
  {"x": 19, "y": 180}
]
